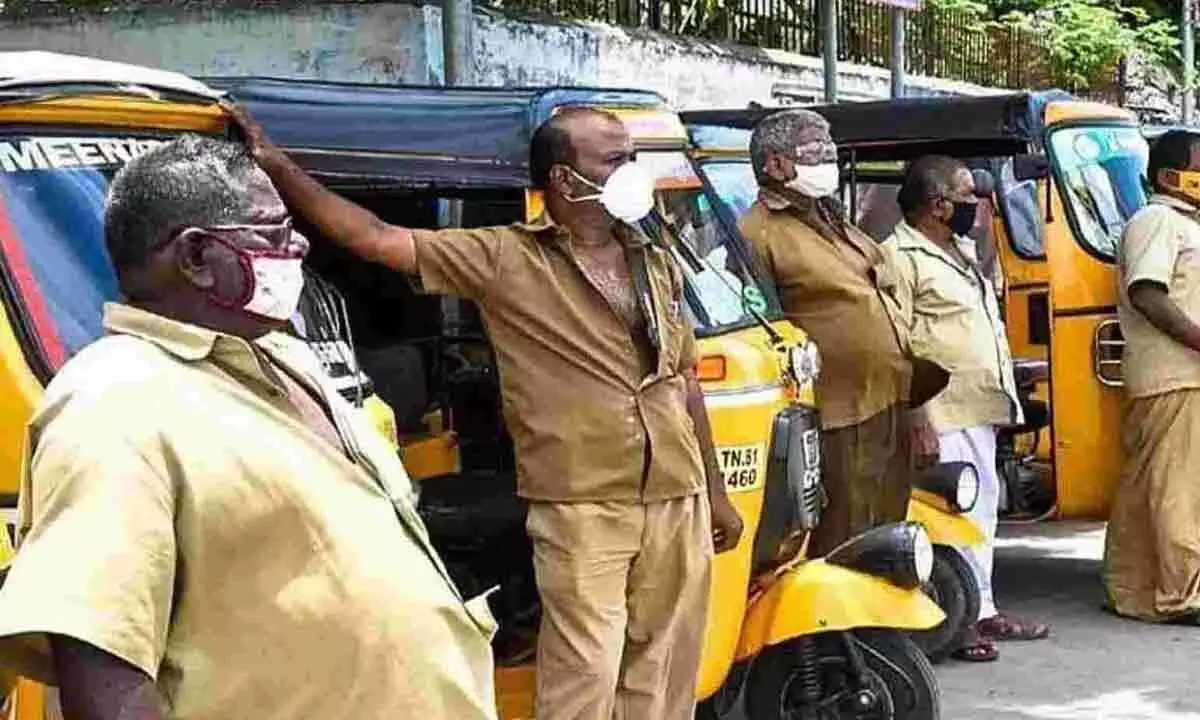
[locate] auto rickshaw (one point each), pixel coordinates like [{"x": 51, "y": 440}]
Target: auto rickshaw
[
  {"x": 720, "y": 142},
  {"x": 780, "y": 629},
  {"x": 434, "y": 157},
  {"x": 1068, "y": 175}
]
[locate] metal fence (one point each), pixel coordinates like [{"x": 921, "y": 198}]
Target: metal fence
[{"x": 940, "y": 43}]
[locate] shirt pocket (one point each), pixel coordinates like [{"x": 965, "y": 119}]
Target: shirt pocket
[{"x": 949, "y": 292}]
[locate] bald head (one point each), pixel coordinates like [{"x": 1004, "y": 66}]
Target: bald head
[{"x": 558, "y": 141}]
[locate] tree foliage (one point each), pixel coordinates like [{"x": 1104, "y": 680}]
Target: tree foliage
[{"x": 1087, "y": 39}]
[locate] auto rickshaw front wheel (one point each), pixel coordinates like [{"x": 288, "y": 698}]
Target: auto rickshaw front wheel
[
  {"x": 952, "y": 585},
  {"x": 871, "y": 674}
]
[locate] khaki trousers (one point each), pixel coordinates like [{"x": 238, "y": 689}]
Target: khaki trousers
[
  {"x": 868, "y": 478},
  {"x": 624, "y": 590},
  {"x": 1152, "y": 553}
]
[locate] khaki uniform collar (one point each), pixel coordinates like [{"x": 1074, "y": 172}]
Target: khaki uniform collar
[
  {"x": 192, "y": 343},
  {"x": 1175, "y": 203},
  {"x": 186, "y": 342},
  {"x": 542, "y": 225},
  {"x": 910, "y": 238},
  {"x": 545, "y": 228},
  {"x": 773, "y": 200}
]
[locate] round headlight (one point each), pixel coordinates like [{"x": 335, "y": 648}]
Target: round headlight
[
  {"x": 968, "y": 488},
  {"x": 805, "y": 362},
  {"x": 923, "y": 555}
]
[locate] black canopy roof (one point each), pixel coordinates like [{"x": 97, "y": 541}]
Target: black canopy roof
[
  {"x": 411, "y": 136},
  {"x": 905, "y": 128}
]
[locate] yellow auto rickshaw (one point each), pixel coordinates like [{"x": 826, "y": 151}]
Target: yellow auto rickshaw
[
  {"x": 1068, "y": 174},
  {"x": 434, "y": 157}
]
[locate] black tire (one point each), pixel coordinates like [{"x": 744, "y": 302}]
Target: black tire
[
  {"x": 953, "y": 587},
  {"x": 904, "y": 668},
  {"x": 895, "y": 670}
]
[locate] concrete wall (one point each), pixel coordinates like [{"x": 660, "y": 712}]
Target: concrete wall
[{"x": 399, "y": 42}]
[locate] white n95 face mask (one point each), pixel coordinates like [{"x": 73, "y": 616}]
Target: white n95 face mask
[
  {"x": 815, "y": 181},
  {"x": 627, "y": 195}
]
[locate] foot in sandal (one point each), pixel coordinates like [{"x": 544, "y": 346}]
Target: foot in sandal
[{"x": 1003, "y": 628}]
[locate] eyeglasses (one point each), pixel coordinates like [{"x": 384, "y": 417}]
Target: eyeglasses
[{"x": 277, "y": 235}]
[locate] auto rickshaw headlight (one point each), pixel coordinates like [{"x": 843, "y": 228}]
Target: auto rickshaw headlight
[
  {"x": 957, "y": 483},
  {"x": 923, "y": 555},
  {"x": 899, "y": 552},
  {"x": 804, "y": 362}
]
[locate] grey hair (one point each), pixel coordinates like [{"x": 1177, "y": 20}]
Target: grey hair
[
  {"x": 191, "y": 181},
  {"x": 781, "y": 132},
  {"x": 928, "y": 178}
]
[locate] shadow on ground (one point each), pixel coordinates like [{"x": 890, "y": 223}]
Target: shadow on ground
[{"x": 1095, "y": 666}]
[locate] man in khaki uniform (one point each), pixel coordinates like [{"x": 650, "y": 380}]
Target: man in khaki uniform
[
  {"x": 607, "y": 419},
  {"x": 953, "y": 318},
  {"x": 207, "y": 529},
  {"x": 1152, "y": 558},
  {"x": 838, "y": 286}
]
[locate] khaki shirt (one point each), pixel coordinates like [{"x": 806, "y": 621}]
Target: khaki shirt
[
  {"x": 1161, "y": 243},
  {"x": 839, "y": 288},
  {"x": 586, "y": 424},
  {"x": 177, "y": 513},
  {"x": 954, "y": 320}
]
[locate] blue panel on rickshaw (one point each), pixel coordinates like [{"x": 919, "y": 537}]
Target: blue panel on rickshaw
[{"x": 411, "y": 136}]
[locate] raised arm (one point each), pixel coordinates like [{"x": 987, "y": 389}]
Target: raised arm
[{"x": 347, "y": 224}]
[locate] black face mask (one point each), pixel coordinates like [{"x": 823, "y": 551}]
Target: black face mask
[{"x": 963, "y": 218}]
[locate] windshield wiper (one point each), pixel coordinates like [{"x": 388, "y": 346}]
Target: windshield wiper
[{"x": 699, "y": 264}]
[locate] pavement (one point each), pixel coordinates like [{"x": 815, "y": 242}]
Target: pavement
[{"x": 1095, "y": 666}]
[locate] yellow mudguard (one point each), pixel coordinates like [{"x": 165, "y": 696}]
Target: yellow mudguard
[
  {"x": 943, "y": 527},
  {"x": 817, "y": 597}
]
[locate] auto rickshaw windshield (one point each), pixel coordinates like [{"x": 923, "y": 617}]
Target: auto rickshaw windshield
[
  {"x": 1101, "y": 169},
  {"x": 722, "y": 289},
  {"x": 55, "y": 264}
]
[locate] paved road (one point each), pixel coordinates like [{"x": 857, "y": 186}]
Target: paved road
[{"x": 1095, "y": 666}]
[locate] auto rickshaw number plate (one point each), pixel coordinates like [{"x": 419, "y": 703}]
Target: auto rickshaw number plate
[{"x": 742, "y": 466}]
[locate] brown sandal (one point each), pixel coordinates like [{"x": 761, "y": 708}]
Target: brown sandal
[
  {"x": 1002, "y": 628},
  {"x": 977, "y": 649}
]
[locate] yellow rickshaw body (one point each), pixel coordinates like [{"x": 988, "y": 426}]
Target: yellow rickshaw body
[
  {"x": 943, "y": 526},
  {"x": 1058, "y": 306},
  {"x": 816, "y": 597}
]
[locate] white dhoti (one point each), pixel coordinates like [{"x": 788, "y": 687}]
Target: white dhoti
[{"x": 977, "y": 446}]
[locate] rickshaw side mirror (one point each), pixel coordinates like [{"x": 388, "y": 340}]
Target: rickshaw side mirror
[{"x": 1033, "y": 166}]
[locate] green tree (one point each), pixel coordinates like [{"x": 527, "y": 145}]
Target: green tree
[{"x": 1086, "y": 39}]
